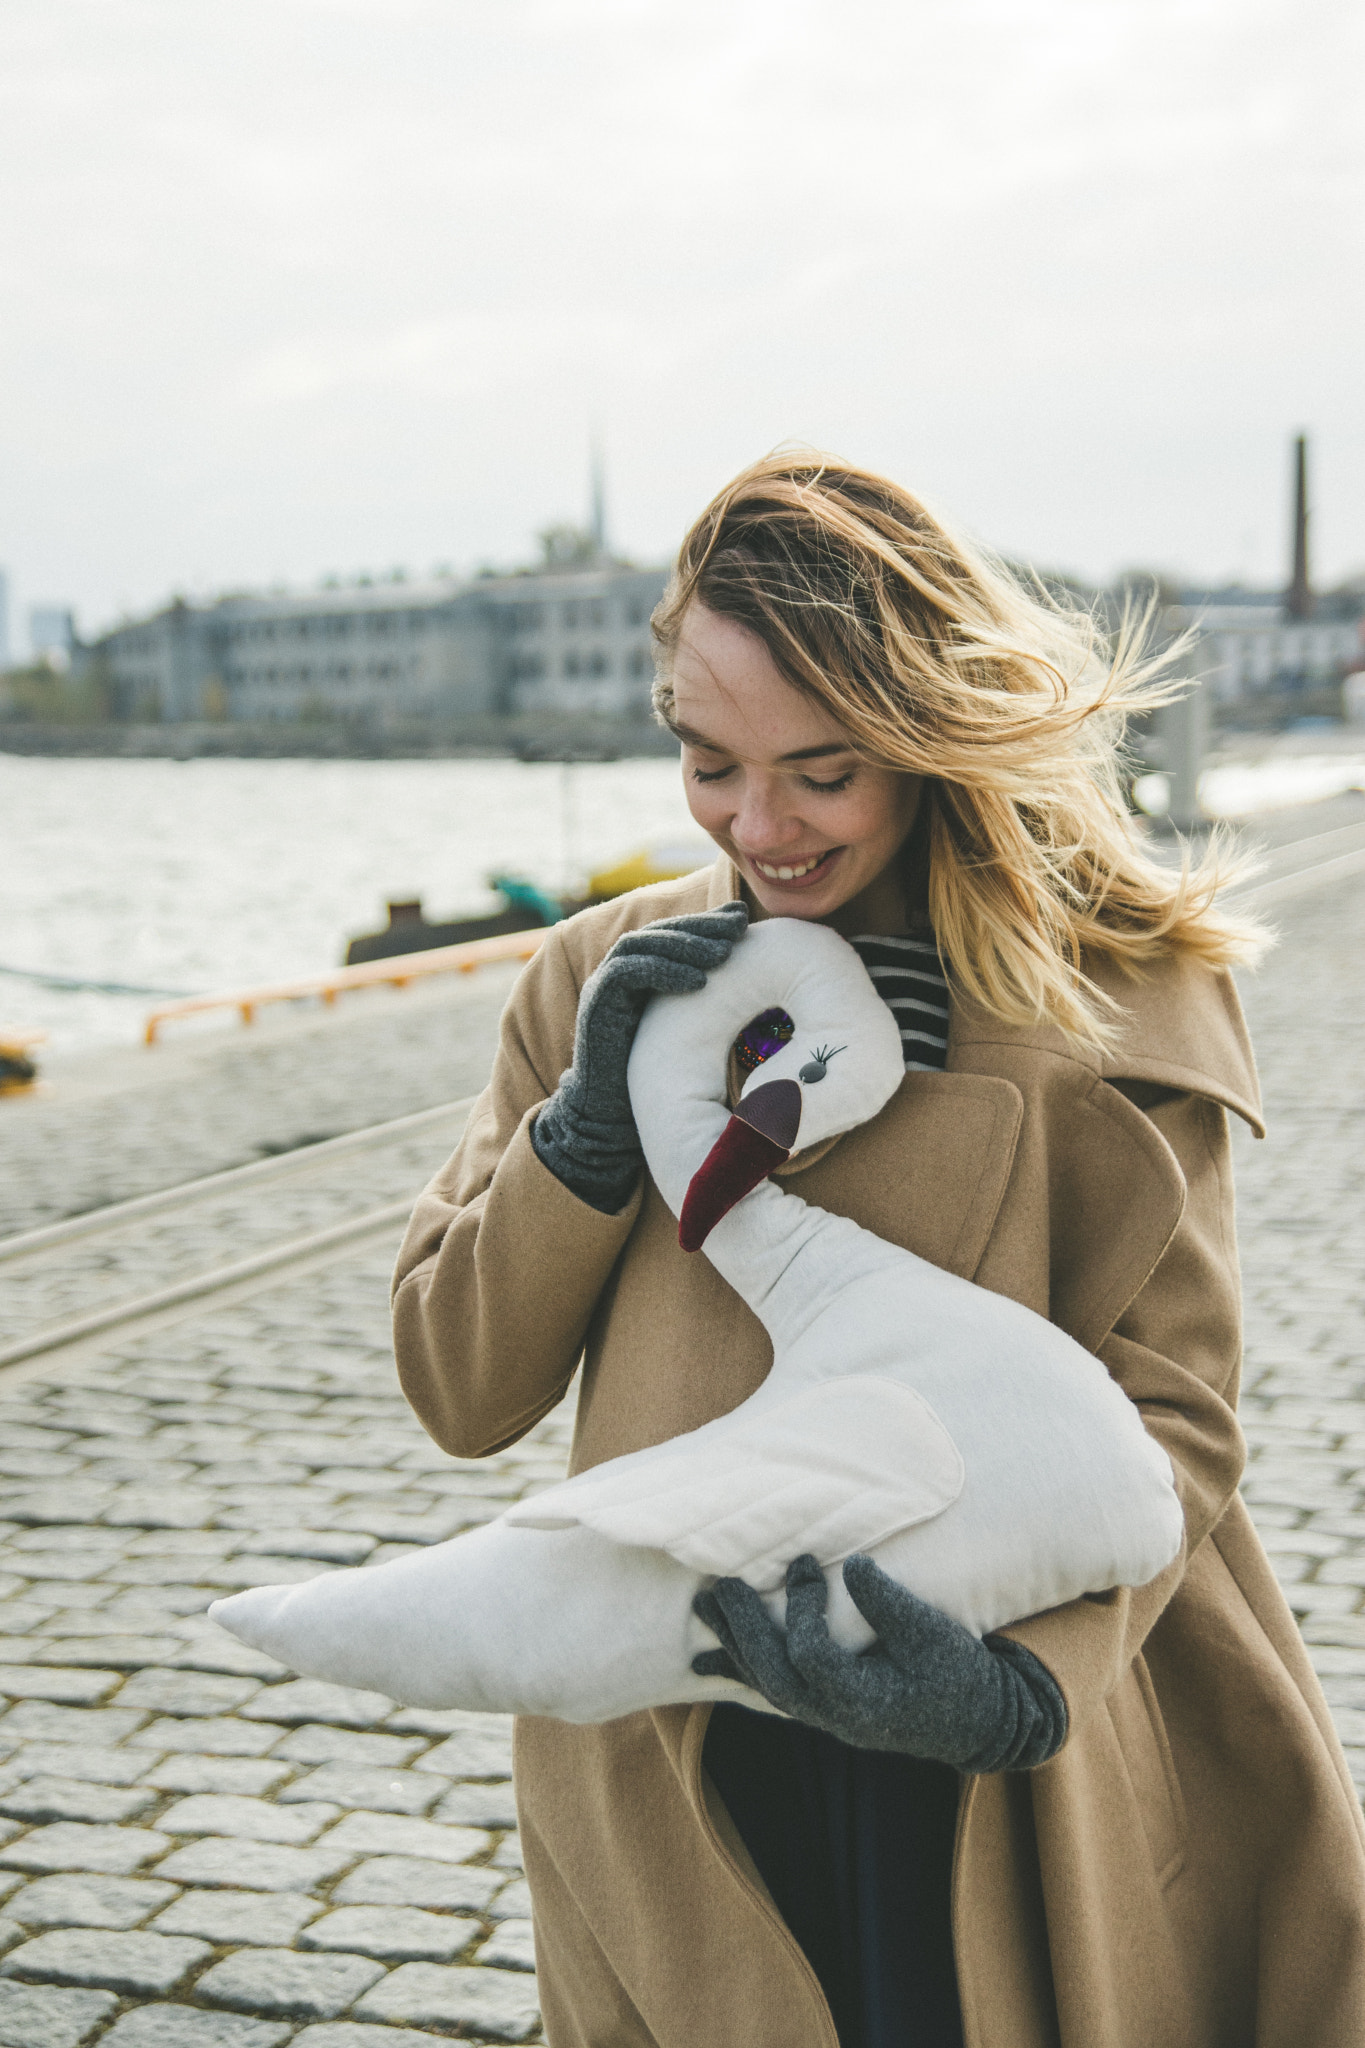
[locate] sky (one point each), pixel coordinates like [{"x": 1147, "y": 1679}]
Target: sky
[{"x": 291, "y": 288}]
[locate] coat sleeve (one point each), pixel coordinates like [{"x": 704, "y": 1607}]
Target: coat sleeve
[
  {"x": 501, "y": 1267},
  {"x": 1176, "y": 1352}
]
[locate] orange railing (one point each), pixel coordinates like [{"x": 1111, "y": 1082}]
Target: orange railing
[{"x": 396, "y": 972}]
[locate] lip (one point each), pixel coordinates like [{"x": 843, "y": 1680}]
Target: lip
[{"x": 818, "y": 874}]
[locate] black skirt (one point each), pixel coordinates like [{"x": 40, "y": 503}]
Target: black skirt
[{"x": 857, "y": 1851}]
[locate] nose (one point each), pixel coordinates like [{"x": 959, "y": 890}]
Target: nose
[{"x": 763, "y": 823}]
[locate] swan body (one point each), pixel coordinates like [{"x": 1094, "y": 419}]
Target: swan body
[{"x": 981, "y": 1456}]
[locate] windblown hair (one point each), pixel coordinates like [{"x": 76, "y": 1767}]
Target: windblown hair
[{"x": 940, "y": 661}]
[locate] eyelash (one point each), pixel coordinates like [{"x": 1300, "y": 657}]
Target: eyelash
[{"x": 807, "y": 782}]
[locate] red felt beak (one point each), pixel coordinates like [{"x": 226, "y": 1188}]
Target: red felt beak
[{"x": 759, "y": 1136}]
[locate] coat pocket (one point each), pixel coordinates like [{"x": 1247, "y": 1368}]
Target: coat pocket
[{"x": 1146, "y": 1752}]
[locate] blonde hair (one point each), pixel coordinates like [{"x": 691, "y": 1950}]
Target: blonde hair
[{"x": 939, "y": 661}]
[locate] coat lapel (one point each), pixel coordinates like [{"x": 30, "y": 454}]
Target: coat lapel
[{"x": 929, "y": 1173}]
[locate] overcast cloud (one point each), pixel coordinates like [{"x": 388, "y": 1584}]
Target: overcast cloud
[{"x": 298, "y": 286}]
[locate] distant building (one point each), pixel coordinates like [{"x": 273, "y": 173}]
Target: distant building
[
  {"x": 570, "y": 639},
  {"x": 52, "y": 632},
  {"x": 576, "y": 641},
  {"x": 1249, "y": 649},
  {"x": 4, "y": 621}
]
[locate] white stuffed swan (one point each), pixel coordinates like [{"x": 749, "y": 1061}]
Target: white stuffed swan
[{"x": 982, "y": 1457}]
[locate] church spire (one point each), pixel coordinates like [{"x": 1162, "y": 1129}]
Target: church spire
[{"x": 597, "y": 498}]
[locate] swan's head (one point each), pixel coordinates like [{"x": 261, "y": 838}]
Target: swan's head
[{"x": 841, "y": 1063}]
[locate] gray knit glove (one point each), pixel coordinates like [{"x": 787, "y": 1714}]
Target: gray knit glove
[
  {"x": 927, "y": 1687},
  {"x": 586, "y": 1132}
]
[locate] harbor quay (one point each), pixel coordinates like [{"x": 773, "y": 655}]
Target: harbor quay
[
  {"x": 126, "y": 1120},
  {"x": 198, "y": 1848}
]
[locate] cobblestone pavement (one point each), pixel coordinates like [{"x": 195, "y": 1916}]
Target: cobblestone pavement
[
  {"x": 124, "y": 1122},
  {"x": 194, "y": 1846},
  {"x": 1302, "y": 1229},
  {"x": 198, "y": 1850}
]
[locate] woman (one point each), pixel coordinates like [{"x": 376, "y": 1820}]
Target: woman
[{"x": 1157, "y": 1844}]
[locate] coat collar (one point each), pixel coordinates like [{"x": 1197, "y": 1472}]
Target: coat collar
[{"x": 1182, "y": 1028}]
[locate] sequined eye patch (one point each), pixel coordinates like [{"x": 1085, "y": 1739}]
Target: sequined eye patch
[{"x": 761, "y": 1037}]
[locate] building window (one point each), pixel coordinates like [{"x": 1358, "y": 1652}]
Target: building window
[
  {"x": 571, "y": 664},
  {"x": 597, "y": 664},
  {"x": 570, "y": 617}
]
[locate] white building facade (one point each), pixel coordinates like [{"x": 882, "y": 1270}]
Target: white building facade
[
  {"x": 577, "y": 641},
  {"x": 1246, "y": 657},
  {"x": 569, "y": 641}
]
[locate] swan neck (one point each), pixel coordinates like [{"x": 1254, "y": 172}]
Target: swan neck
[{"x": 756, "y": 1245}]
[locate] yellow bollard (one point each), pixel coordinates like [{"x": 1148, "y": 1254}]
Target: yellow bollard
[{"x": 18, "y": 1068}]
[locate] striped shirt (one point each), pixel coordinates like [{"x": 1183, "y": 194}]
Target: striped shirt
[{"x": 909, "y": 978}]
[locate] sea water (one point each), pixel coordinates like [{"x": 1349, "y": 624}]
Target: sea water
[
  {"x": 189, "y": 876},
  {"x": 192, "y": 876}
]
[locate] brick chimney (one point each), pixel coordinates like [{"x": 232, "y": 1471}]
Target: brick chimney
[{"x": 1298, "y": 599}]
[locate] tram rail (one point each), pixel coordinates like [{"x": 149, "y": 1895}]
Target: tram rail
[{"x": 273, "y": 1259}]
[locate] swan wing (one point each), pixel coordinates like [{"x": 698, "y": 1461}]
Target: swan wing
[{"x": 834, "y": 1468}]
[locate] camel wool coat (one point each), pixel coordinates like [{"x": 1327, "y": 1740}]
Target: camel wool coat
[{"x": 1189, "y": 1870}]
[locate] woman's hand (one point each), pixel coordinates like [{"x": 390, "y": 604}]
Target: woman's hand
[
  {"x": 586, "y": 1132},
  {"x": 927, "y": 1688}
]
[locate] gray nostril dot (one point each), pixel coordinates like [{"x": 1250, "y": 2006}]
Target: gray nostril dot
[{"x": 814, "y": 1070}]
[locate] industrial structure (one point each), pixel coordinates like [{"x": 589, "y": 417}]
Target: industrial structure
[{"x": 1282, "y": 645}]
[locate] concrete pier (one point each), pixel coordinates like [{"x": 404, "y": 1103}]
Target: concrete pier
[{"x": 197, "y": 1849}]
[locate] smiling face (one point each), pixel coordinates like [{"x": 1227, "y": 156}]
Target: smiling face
[{"x": 813, "y": 827}]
